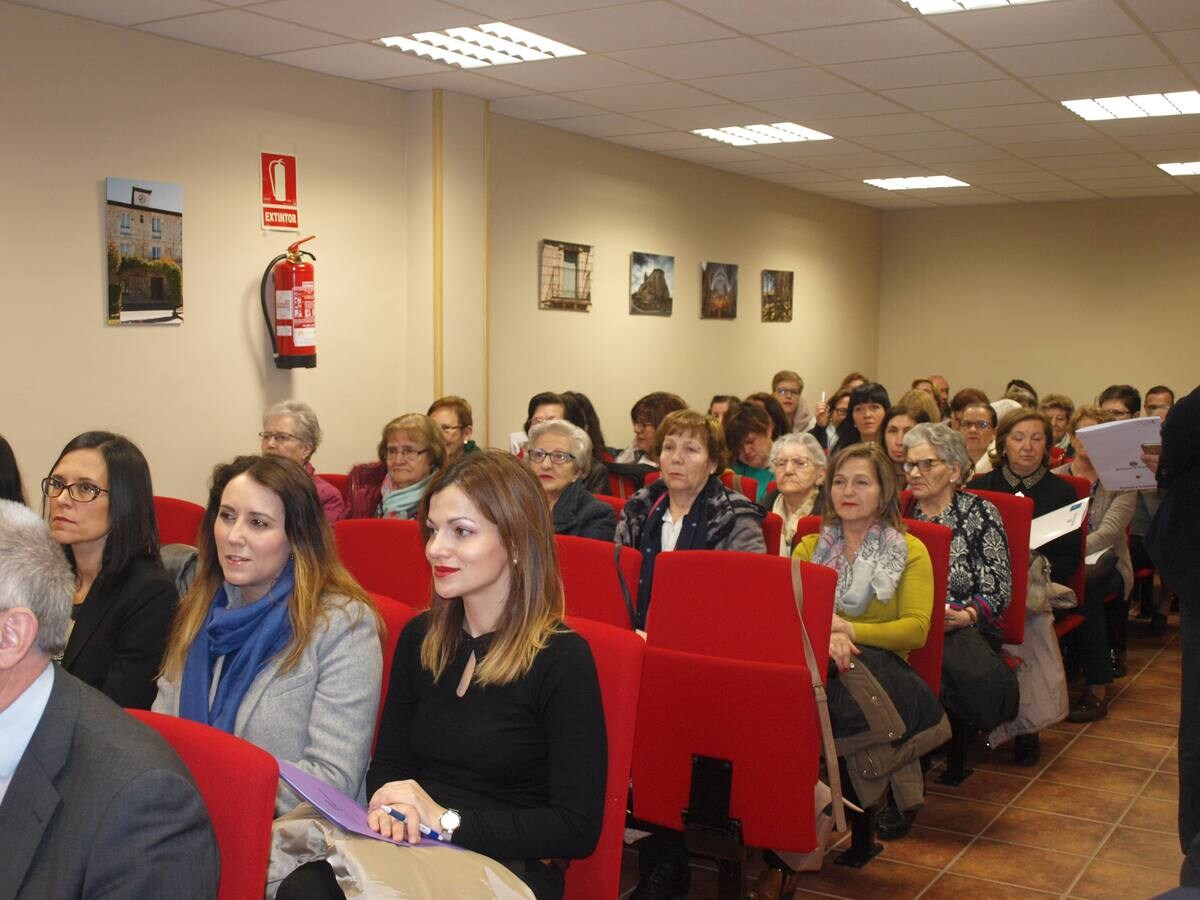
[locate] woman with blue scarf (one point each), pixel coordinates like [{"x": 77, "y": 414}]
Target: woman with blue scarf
[{"x": 276, "y": 642}]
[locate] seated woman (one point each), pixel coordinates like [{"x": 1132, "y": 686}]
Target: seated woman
[
  {"x": 1059, "y": 408},
  {"x": 723, "y": 406},
  {"x": 781, "y": 422},
  {"x": 864, "y": 416},
  {"x": 898, "y": 422},
  {"x": 493, "y": 730},
  {"x": 961, "y": 400},
  {"x": 749, "y": 432},
  {"x": 100, "y": 504},
  {"x": 788, "y": 388},
  {"x": 798, "y": 464},
  {"x": 410, "y": 452},
  {"x": 1021, "y": 460},
  {"x": 977, "y": 425},
  {"x": 543, "y": 407},
  {"x": 10, "y": 475},
  {"x": 1109, "y": 516},
  {"x": 560, "y": 455},
  {"x": 830, "y": 417},
  {"x": 275, "y": 642},
  {"x": 921, "y": 402},
  {"x": 687, "y": 508},
  {"x": 453, "y": 415},
  {"x": 291, "y": 430},
  {"x": 579, "y": 411},
  {"x": 647, "y": 414}
]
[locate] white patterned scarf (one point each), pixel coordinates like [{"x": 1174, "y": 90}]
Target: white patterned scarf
[{"x": 876, "y": 569}]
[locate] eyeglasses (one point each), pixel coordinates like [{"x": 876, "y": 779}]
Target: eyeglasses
[
  {"x": 923, "y": 464},
  {"x": 538, "y": 420},
  {"x": 80, "y": 491},
  {"x": 404, "y": 452},
  {"x": 557, "y": 457},
  {"x": 278, "y": 437},
  {"x": 800, "y": 464},
  {"x": 976, "y": 425},
  {"x": 786, "y": 392},
  {"x": 450, "y": 429}
]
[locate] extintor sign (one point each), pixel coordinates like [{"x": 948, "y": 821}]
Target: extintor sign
[{"x": 280, "y": 208}]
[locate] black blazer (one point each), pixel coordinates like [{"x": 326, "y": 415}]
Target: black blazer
[
  {"x": 1172, "y": 537},
  {"x": 579, "y": 513},
  {"x": 117, "y": 643}
]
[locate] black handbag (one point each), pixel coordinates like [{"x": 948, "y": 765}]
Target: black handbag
[{"x": 978, "y": 686}]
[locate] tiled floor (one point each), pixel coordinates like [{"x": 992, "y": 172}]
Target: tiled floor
[{"x": 1094, "y": 819}]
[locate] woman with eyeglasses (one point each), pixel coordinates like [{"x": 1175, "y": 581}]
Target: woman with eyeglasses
[
  {"x": 291, "y": 430},
  {"x": 100, "y": 506},
  {"x": 560, "y": 455},
  {"x": 977, "y": 425},
  {"x": 411, "y": 451},
  {"x": 453, "y": 415},
  {"x": 899, "y": 421},
  {"x": 646, "y": 415},
  {"x": 797, "y": 463}
]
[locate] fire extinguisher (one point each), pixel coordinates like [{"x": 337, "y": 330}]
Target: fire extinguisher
[{"x": 294, "y": 330}]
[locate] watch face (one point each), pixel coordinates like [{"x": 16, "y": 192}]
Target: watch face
[{"x": 450, "y": 820}]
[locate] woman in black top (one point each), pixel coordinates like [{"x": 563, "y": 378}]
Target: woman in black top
[
  {"x": 100, "y": 505},
  {"x": 864, "y": 417}
]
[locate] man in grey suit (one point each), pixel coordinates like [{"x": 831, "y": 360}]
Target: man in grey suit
[{"x": 92, "y": 802}]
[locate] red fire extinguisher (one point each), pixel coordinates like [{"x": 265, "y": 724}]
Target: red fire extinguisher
[{"x": 294, "y": 329}]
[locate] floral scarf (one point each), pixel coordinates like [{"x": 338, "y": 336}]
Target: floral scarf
[{"x": 876, "y": 569}]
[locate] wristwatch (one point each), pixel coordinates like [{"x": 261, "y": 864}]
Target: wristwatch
[{"x": 448, "y": 823}]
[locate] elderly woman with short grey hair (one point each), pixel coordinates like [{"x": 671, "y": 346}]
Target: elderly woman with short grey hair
[
  {"x": 798, "y": 462},
  {"x": 560, "y": 455},
  {"x": 291, "y": 430}
]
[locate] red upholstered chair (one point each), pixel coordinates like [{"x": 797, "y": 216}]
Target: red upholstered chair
[
  {"x": 237, "y": 781},
  {"x": 178, "y": 520},
  {"x": 617, "y": 503},
  {"x": 621, "y": 486},
  {"x": 387, "y": 556},
  {"x": 618, "y": 655},
  {"x": 651, "y": 477},
  {"x": 395, "y": 616},
  {"x": 772, "y": 529},
  {"x": 1017, "y": 513},
  {"x": 590, "y": 583},
  {"x": 743, "y": 483},
  {"x": 339, "y": 481}
]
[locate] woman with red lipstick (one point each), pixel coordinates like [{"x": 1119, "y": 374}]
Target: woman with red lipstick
[
  {"x": 275, "y": 642},
  {"x": 100, "y": 504}
]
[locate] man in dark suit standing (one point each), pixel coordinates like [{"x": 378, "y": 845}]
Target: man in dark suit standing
[{"x": 92, "y": 802}]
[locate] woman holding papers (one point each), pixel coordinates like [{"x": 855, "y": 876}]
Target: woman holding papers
[
  {"x": 1109, "y": 570},
  {"x": 275, "y": 642}
]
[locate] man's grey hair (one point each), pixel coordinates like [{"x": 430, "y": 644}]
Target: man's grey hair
[
  {"x": 307, "y": 426},
  {"x": 34, "y": 573},
  {"x": 947, "y": 443},
  {"x": 801, "y": 439},
  {"x": 581, "y": 444}
]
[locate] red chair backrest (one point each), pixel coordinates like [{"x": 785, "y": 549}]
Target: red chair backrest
[
  {"x": 338, "y": 480},
  {"x": 651, "y": 477},
  {"x": 590, "y": 584},
  {"x": 621, "y": 486},
  {"x": 179, "y": 521},
  {"x": 237, "y": 781},
  {"x": 395, "y": 616},
  {"x": 1083, "y": 488},
  {"x": 772, "y": 527},
  {"x": 387, "y": 556},
  {"x": 618, "y": 655},
  {"x": 1017, "y": 513},
  {"x": 743, "y": 483},
  {"x": 617, "y": 503}
]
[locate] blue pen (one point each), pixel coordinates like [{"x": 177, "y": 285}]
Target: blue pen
[{"x": 400, "y": 817}]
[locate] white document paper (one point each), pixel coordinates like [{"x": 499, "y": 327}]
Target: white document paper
[
  {"x": 1046, "y": 528},
  {"x": 1115, "y": 449},
  {"x": 517, "y": 441}
]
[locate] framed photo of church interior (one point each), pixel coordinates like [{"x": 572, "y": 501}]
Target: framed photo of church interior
[
  {"x": 566, "y": 276},
  {"x": 651, "y": 284},
  {"x": 143, "y": 234},
  {"x": 718, "y": 291},
  {"x": 776, "y": 296}
]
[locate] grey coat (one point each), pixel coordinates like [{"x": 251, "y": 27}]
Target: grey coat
[{"x": 320, "y": 715}]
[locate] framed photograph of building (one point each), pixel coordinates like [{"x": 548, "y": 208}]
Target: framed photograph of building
[
  {"x": 143, "y": 230},
  {"x": 718, "y": 291},
  {"x": 776, "y": 296},
  {"x": 651, "y": 284},
  {"x": 566, "y": 278}
]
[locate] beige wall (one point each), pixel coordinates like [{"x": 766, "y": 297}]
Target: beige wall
[
  {"x": 73, "y": 111},
  {"x": 547, "y": 183},
  {"x": 1071, "y": 297}
]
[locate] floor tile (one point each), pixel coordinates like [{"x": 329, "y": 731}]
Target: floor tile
[
  {"x": 1141, "y": 711},
  {"x": 1143, "y": 848},
  {"x": 1166, "y": 678},
  {"x": 880, "y": 879},
  {"x": 959, "y": 887},
  {"x": 957, "y": 814},
  {"x": 1001, "y": 759},
  {"x": 1163, "y": 786},
  {"x": 1107, "y": 880},
  {"x": 1170, "y": 763},
  {"x": 1099, "y": 776},
  {"x": 930, "y": 847},
  {"x": 1035, "y": 828},
  {"x": 1100, "y": 806},
  {"x": 991, "y": 787},
  {"x": 1155, "y": 815},
  {"x": 1032, "y": 867},
  {"x": 1122, "y": 753},
  {"x": 1135, "y": 732}
]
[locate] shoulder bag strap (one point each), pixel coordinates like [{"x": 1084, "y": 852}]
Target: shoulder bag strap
[{"x": 624, "y": 587}]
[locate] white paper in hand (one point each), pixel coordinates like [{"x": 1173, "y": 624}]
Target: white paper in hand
[
  {"x": 1055, "y": 524},
  {"x": 1115, "y": 449}
]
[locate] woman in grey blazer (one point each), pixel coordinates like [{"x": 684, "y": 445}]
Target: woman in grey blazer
[{"x": 276, "y": 642}]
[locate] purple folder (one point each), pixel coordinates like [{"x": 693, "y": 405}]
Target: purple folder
[{"x": 343, "y": 811}]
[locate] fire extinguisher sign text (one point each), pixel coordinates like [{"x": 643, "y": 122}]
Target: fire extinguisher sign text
[{"x": 280, "y": 209}]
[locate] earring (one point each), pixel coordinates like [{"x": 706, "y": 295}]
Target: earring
[{"x": 514, "y": 559}]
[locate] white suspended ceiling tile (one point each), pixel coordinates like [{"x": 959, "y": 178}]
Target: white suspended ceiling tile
[
  {"x": 715, "y": 153},
  {"x": 124, "y": 12},
  {"x": 1170, "y": 190},
  {"x": 1112, "y": 83},
  {"x": 1166, "y": 15},
  {"x": 369, "y": 19},
  {"x": 869, "y": 40},
  {"x": 452, "y": 79},
  {"x": 731, "y": 56},
  {"x": 830, "y": 106},
  {"x": 858, "y": 160},
  {"x": 1055, "y": 196},
  {"x": 1184, "y": 143},
  {"x": 762, "y": 16},
  {"x": 242, "y": 32},
  {"x": 899, "y": 170},
  {"x": 928, "y": 140},
  {"x": 490, "y": 10},
  {"x": 536, "y": 107},
  {"x": 1045, "y": 149},
  {"x": 1015, "y": 134},
  {"x": 914, "y": 71},
  {"x": 1104, "y": 172},
  {"x": 815, "y": 153},
  {"x": 758, "y": 167},
  {"x": 968, "y": 170},
  {"x": 1129, "y": 51},
  {"x": 853, "y": 126},
  {"x": 720, "y": 115},
  {"x": 775, "y": 85},
  {"x": 662, "y": 140},
  {"x": 636, "y": 25},
  {"x": 967, "y": 95},
  {"x": 1030, "y": 187},
  {"x": 1125, "y": 128},
  {"x": 604, "y": 126},
  {"x": 967, "y": 197},
  {"x": 938, "y": 155},
  {"x": 1016, "y": 114},
  {"x": 1087, "y": 161},
  {"x": 1033, "y": 23},
  {"x": 362, "y": 61},
  {"x": 575, "y": 73},
  {"x": 1184, "y": 45},
  {"x": 663, "y": 95},
  {"x": 1015, "y": 179},
  {"x": 1145, "y": 181}
]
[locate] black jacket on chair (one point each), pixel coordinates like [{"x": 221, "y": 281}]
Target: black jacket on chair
[{"x": 579, "y": 513}]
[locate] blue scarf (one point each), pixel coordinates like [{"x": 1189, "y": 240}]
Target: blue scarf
[{"x": 247, "y": 637}]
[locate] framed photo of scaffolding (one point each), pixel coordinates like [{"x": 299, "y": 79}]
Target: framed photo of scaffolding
[
  {"x": 651, "y": 284},
  {"x": 718, "y": 291},
  {"x": 566, "y": 276},
  {"x": 143, "y": 233},
  {"x": 776, "y": 296}
]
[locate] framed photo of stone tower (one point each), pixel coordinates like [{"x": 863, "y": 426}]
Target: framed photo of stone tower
[
  {"x": 143, "y": 233},
  {"x": 651, "y": 284}
]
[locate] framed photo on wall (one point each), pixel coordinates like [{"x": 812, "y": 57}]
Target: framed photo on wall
[
  {"x": 143, "y": 234},
  {"x": 566, "y": 276},
  {"x": 651, "y": 284},
  {"x": 776, "y": 296},
  {"x": 718, "y": 291}
]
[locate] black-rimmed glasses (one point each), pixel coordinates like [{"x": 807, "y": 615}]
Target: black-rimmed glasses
[{"x": 80, "y": 491}]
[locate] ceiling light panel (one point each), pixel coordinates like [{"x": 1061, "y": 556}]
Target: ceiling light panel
[
  {"x": 1139, "y": 106},
  {"x": 918, "y": 183},
  {"x": 490, "y": 44},
  {"x": 748, "y": 135},
  {"x": 934, "y": 7},
  {"x": 1182, "y": 168}
]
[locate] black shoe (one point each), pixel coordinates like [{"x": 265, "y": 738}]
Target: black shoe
[
  {"x": 1088, "y": 708},
  {"x": 666, "y": 881},
  {"x": 1027, "y": 749},
  {"x": 1117, "y": 658},
  {"x": 1143, "y": 614},
  {"x": 1158, "y": 625},
  {"x": 891, "y": 824}
]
